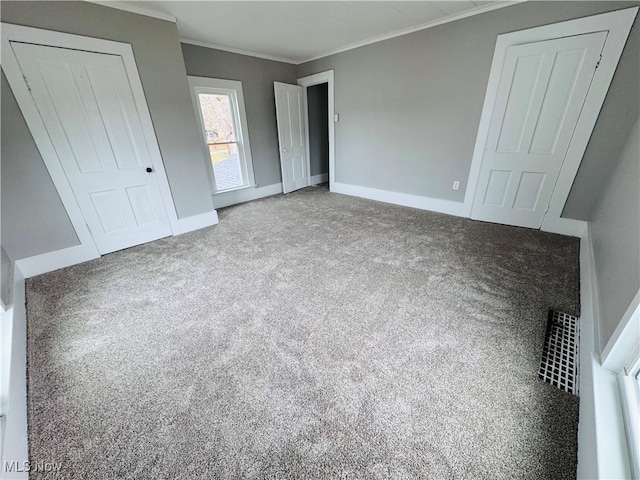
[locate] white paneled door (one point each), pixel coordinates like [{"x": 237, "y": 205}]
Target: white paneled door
[
  {"x": 88, "y": 109},
  {"x": 542, "y": 89},
  {"x": 291, "y": 136}
]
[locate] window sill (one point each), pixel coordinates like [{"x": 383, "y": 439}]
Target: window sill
[{"x": 244, "y": 187}]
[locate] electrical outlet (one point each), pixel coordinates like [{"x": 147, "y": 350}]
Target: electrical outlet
[{"x": 456, "y": 185}]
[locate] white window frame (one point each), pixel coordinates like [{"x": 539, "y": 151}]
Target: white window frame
[
  {"x": 629, "y": 382},
  {"x": 621, "y": 357},
  {"x": 233, "y": 89}
]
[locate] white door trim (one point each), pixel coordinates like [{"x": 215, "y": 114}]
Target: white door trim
[
  {"x": 28, "y": 107},
  {"x": 618, "y": 24},
  {"x": 309, "y": 81}
]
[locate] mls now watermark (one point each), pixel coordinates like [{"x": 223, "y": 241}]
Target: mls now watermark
[{"x": 38, "y": 466}]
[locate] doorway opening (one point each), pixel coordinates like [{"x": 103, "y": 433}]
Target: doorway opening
[
  {"x": 319, "y": 100},
  {"x": 318, "y": 124}
]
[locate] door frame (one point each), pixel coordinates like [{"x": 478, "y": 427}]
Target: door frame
[
  {"x": 309, "y": 81},
  {"x": 11, "y": 68},
  {"x": 618, "y": 24}
]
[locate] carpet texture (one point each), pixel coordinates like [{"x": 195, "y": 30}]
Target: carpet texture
[{"x": 307, "y": 336}]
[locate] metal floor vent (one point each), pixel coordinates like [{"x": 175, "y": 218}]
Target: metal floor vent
[{"x": 559, "y": 364}]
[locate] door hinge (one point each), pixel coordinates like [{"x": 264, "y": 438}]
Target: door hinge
[
  {"x": 26, "y": 82},
  {"x": 89, "y": 228},
  {"x": 598, "y": 62},
  {"x": 546, "y": 209}
]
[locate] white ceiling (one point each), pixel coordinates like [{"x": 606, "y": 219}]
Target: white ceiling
[{"x": 297, "y": 31}]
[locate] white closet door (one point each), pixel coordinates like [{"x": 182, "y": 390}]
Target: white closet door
[
  {"x": 542, "y": 89},
  {"x": 88, "y": 109}
]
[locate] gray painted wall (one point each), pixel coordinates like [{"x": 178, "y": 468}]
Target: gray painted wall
[
  {"x": 410, "y": 106},
  {"x": 257, "y": 76},
  {"x": 161, "y": 66},
  {"x": 34, "y": 220},
  {"x": 317, "y": 101},
  {"x": 615, "y": 228}
]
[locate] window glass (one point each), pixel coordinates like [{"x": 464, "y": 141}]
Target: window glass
[
  {"x": 226, "y": 166},
  {"x": 222, "y": 115},
  {"x": 218, "y": 119}
]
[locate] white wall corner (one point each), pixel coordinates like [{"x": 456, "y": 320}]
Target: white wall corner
[{"x": 196, "y": 222}]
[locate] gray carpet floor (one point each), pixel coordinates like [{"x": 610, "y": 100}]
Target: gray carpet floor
[{"x": 307, "y": 336}]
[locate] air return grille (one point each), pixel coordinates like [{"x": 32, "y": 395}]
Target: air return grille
[{"x": 559, "y": 364}]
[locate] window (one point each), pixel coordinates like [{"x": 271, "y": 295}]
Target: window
[
  {"x": 219, "y": 105},
  {"x": 630, "y": 392},
  {"x": 621, "y": 413}
]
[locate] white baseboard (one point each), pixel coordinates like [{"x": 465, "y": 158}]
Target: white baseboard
[
  {"x": 405, "y": 199},
  {"x": 48, "y": 262},
  {"x": 195, "y": 222},
  {"x": 16, "y": 437},
  {"x": 221, "y": 200},
  {"x": 564, "y": 226},
  {"x": 320, "y": 178}
]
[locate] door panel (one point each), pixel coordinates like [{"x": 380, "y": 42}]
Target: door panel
[
  {"x": 88, "y": 109},
  {"x": 528, "y": 191},
  {"x": 541, "y": 92},
  {"x": 141, "y": 204},
  {"x": 497, "y": 188},
  {"x": 556, "y": 102},
  {"x": 291, "y": 136},
  {"x": 109, "y": 211},
  {"x": 522, "y": 99},
  {"x": 66, "y": 107},
  {"x": 117, "y": 109}
]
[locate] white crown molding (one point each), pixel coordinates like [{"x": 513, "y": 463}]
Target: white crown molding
[
  {"x": 424, "y": 26},
  {"x": 398, "y": 33},
  {"x": 133, "y": 9},
  {"x": 239, "y": 51}
]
